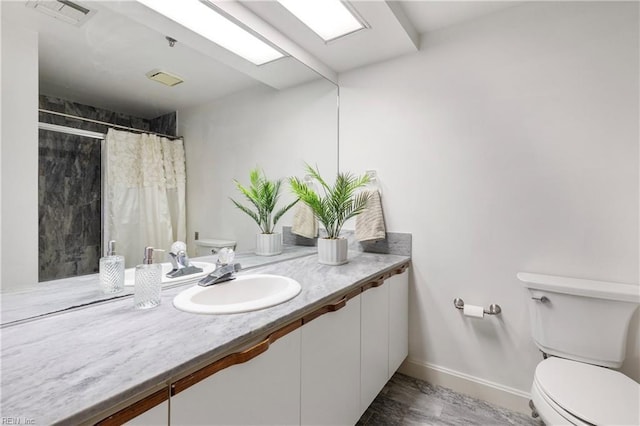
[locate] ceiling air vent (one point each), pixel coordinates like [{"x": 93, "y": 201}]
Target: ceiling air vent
[
  {"x": 164, "y": 77},
  {"x": 63, "y": 10}
]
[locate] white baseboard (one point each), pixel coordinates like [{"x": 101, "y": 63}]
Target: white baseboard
[{"x": 494, "y": 393}]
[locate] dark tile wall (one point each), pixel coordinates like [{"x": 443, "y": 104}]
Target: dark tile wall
[
  {"x": 69, "y": 186},
  {"x": 69, "y": 205},
  {"x": 165, "y": 124}
]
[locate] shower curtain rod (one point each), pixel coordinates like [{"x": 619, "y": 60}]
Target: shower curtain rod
[
  {"x": 71, "y": 131},
  {"x": 104, "y": 123}
]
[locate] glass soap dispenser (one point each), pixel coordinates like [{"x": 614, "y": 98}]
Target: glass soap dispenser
[
  {"x": 112, "y": 270},
  {"x": 148, "y": 282}
]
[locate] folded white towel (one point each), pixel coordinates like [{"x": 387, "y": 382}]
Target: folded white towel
[
  {"x": 305, "y": 223},
  {"x": 370, "y": 223}
]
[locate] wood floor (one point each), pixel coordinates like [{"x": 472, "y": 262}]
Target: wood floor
[{"x": 408, "y": 401}]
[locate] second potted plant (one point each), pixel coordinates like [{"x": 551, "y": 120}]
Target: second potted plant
[
  {"x": 338, "y": 204},
  {"x": 263, "y": 194}
]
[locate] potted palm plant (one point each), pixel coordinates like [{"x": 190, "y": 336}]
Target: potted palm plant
[
  {"x": 333, "y": 208},
  {"x": 263, "y": 194}
]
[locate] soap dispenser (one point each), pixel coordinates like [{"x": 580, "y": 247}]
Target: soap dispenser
[
  {"x": 148, "y": 282},
  {"x": 112, "y": 270}
]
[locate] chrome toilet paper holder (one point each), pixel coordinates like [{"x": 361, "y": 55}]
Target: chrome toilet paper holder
[{"x": 493, "y": 309}]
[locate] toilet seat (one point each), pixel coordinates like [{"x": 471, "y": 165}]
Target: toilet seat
[
  {"x": 585, "y": 394},
  {"x": 550, "y": 412}
]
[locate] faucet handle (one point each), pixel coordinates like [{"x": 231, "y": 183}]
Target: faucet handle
[
  {"x": 226, "y": 256},
  {"x": 183, "y": 259},
  {"x": 178, "y": 246},
  {"x": 173, "y": 258},
  {"x": 179, "y": 260}
]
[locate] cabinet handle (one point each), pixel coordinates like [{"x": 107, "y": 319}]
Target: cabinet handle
[
  {"x": 135, "y": 409},
  {"x": 372, "y": 284},
  {"x": 332, "y": 307},
  {"x": 401, "y": 269},
  {"x": 377, "y": 283},
  {"x": 232, "y": 359},
  {"x": 221, "y": 364},
  {"x": 252, "y": 352},
  {"x": 338, "y": 305}
]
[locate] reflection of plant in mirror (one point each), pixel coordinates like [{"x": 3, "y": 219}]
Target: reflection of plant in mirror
[
  {"x": 263, "y": 194},
  {"x": 339, "y": 203}
]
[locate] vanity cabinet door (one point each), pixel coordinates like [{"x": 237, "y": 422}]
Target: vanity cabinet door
[
  {"x": 374, "y": 343},
  {"x": 152, "y": 410},
  {"x": 330, "y": 388},
  {"x": 158, "y": 415},
  {"x": 384, "y": 334},
  {"x": 398, "y": 320},
  {"x": 262, "y": 391}
]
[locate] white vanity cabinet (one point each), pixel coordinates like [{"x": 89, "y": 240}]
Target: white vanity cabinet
[
  {"x": 158, "y": 415},
  {"x": 149, "y": 411},
  {"x": 264, "y": 390},
  {"x": 384, "y": 334},
  {"x": 398, "y": 286},
  {"x": 330, "y": 385},
  {"x": 374, "y": 340},
  {"x": 323, "y": 368}
]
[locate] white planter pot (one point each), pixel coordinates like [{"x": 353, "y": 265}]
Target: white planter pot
[
  {"x": 332, "y": 252},
  {"x": 268, "y": 244}
]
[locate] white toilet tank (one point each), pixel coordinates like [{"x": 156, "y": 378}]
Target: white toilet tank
[
  {"x": 209, "y": 246},
  {"x": 578, "y": 319}
]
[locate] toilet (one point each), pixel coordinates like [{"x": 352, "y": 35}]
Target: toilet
[
  {"x": 209, "y": 246},
  {"x": 581, "y": 328}
]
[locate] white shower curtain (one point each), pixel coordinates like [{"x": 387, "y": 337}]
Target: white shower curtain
[{"x": 144, "y": 193}]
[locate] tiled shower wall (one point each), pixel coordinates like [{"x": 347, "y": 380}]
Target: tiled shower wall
[
  {"x": 69, "y": 205},
  {"x": 69, "y": 186}
]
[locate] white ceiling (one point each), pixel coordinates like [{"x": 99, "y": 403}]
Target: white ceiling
[
  {"x": 385, "y": 38},
  {"x": 104, "y": 62},
  {"x": 427, "y": 16}
]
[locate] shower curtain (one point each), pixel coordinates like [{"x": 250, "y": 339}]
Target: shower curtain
[{"x": 144, "y": 193}]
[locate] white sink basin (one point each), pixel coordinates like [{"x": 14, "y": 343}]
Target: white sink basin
[
  {"x": 207, "y": 268},
  {"x": 245, "y": 293}
]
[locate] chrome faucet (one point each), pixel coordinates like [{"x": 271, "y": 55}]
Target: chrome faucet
[
  {"x": 221, "y": 274},
  {"x": 181, "y": 265},
  {"x": 225, "y": 269}
]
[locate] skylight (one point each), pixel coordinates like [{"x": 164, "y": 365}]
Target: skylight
[
  {"x": 212, "y": 25},
  {"x": 329, "y": 19}
]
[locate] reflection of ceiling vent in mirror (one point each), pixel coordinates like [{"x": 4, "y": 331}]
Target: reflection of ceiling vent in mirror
[
  {"x": 164, "y": 77},
  {"x": 66, "y": 11}
]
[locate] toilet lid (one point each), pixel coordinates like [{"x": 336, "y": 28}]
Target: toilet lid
[{"x": 594, "y": 394}]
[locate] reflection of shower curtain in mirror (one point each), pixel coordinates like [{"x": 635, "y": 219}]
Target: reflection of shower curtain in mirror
[{"x": 144, "y": 193}]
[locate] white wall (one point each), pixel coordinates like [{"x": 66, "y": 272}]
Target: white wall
[
  {"x": 505, "y": 144},
  {"x": 19, "y": 159},
  {"x": 275, "y": 130}
]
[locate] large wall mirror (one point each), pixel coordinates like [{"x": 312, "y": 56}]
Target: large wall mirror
[{"x": 233, "y": 116}]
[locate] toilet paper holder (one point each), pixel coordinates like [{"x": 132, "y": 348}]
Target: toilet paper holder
[{"x": 493, "y": 308}]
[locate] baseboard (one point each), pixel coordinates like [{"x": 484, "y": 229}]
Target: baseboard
[{"x": 494, "y": 393}]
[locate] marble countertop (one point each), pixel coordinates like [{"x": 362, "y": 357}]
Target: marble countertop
[
  {"x": 68, "y": 293},
  {"x": 72, "y": 367}
]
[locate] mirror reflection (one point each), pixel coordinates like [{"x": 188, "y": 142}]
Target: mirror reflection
[{"x": 229, "y": 117}]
